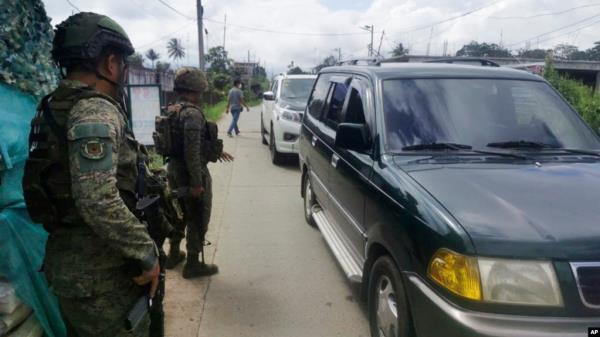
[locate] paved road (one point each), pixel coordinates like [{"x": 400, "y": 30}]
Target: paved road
[{"x": 277, "y": 278}]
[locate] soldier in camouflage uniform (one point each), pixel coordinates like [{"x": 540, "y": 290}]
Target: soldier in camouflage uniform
[
  {"x": 80, "y": 183},
  {"x": 190, "y": 170}
]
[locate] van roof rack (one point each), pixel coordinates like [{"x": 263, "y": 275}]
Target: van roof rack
[
  {"x": 482, "y": 61},
  {"x": 366, "y": 61}
]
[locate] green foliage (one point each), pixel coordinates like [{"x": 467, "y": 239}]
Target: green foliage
[
  {"x": 152, "y": 55},
  {"x": 579, "y": 95},
  {"x": 175, "y": 49},
  {"x": 219, "y": 60},
  {"x": 400, "y": 50},
  {"x": 327, "y": 62},
  {"x": 136, "y": 59},
  {"x": 163, "y": 66},
  {"x": 476, "y": 49},
  {"x": 25, "y": 44},
  {"x": 533, "y": 53},
  {"x": 296, "y": 71}
]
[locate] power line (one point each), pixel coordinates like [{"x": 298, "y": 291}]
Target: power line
[
  {"x": 544, "y": 14},
  {"x": 266, "y": 30},
  {"x": 571, "y": 32},
  {"x": 555, "y": 30},
  {"x": 176, "y": 11},
  {"x": 164, "y": 37},
  {"x": 490, "y": 4},
  {"x": 70, "y": 3}
]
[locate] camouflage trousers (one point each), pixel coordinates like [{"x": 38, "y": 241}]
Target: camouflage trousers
[
  {"x": 102, "y": 316},
  {"x": 196, "y": 212}
]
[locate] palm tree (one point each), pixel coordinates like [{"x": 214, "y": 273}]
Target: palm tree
[
  {"x": 152, "y": 56},
  {"x": 175, "y": 49}
]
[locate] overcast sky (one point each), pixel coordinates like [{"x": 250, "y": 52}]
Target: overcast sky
[{"x": 277, "y": 32}]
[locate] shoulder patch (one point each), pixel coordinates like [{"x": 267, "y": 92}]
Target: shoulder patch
[
  {"x": 87, "y": 130},
  {"x": 92, "y": 147}
]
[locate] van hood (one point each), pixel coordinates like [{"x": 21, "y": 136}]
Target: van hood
[{"x": 509, "y": 210}]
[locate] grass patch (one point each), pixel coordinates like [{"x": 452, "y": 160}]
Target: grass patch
[{"x": 214, "y": 112}]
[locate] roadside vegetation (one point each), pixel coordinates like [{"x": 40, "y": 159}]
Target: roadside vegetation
[{"x": 580, "y": 96}]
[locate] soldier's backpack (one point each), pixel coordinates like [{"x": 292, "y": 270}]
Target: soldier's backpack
[
  {"x": 46, "y": 180},
  {"x": 168, "y": 137}
]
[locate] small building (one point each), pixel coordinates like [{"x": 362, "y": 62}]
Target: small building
[{"x": 246, "y": 71}]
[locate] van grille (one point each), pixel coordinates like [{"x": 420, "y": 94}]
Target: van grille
[{"x": 588, "y": 281}]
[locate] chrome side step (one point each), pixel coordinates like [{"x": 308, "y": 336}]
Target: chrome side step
[{"x": 345, "y": 258}]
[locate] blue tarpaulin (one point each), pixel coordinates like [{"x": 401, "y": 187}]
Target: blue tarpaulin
[{"x": 22, "y": 243}]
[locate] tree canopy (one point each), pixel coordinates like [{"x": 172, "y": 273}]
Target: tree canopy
[{"x": 476, "y": 49}]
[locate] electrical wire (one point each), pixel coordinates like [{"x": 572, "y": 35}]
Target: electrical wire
[
  {"x": 571, "y": 32},
  {"x": 72, "y": 5},
  {"x": 271, "y": 31},
  {"x": 176, "y": 11},
  {"x": 555, "y": 30},
  {"x": 257, "y": 29},
  {"x": 164, "y": 37},
  {"x": 543, "y": 14},
  {"x": 490, "y": 4}
]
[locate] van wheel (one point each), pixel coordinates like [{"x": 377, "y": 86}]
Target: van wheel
[
  {"x": 309, "y": 200},
  {"x": 387, "y": 305},
  {"x": 276, "y": 157},
  {"x": 263, "y": 132}
]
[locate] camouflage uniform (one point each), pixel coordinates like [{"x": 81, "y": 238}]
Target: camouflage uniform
[
  {"x": 190, "y": 170},
  {"x": 89, "y": 258},
  {"x": 96, "y": 243}
]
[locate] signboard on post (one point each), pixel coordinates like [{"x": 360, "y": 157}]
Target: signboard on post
[{"x": 144, "y": 106}]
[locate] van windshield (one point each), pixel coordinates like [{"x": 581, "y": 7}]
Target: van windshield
[
  {"x": 296, "y": 88},
  {"x": 479, "y": 112}
]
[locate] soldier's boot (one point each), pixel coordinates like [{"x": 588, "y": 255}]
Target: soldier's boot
[
  {"x": 194, "y": 268},
  {"x": 175, "y": 257}
]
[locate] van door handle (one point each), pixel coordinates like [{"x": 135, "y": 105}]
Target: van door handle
[
  {"x": 334, "y": 160},
  {"x": 314, "y": 141}
]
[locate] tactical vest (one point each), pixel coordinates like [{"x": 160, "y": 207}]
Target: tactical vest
[
  {"x": 168, "y": 137},
  {"x": 47, "y": 178}
]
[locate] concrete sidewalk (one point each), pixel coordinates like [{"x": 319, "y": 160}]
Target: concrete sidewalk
[{"x": 277, "y": 275}]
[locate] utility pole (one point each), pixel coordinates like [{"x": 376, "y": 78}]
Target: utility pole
[
  {"x": 380, "y": 42},
  {"x": 339, "y": 50},
  {"x": 200, "y": 15},
  {"x": 224, "y": 31},
  {"x": 429, "y": 43},
  {"x": 370, "y": 28}
]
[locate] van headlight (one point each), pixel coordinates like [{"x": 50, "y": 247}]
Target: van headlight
[
  {"x": 519, "y": 282},
  {"x": 290, "y": 115},
  {"x": 496, "y": 280}
]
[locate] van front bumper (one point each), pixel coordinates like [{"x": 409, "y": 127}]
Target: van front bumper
[{"x": 435, "y": 316}]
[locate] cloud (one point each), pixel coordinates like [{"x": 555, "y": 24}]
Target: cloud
[{"x": 150, "y": 24}]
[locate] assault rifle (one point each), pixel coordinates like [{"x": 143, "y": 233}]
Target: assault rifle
[{"x": 148, "y": 207}]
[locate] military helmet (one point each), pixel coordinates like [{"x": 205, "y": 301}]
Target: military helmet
[
  {"x": 83, "y": 36},
  {"x": 190, "y": 79}
]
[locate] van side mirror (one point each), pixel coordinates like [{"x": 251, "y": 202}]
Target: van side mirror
[
  {"x": 268, "y": 96},
  {"x": 352, "y": 136}
]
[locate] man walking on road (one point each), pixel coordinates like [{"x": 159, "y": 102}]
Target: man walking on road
[
  {"x": 235, "y": 102},
  {"x": 195, "y": 144},
  {"x": 80, "y": 182}
]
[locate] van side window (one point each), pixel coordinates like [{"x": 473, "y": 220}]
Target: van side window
[
  {"x": 275, "y": 87},
  {"x": 355, "y": 113},
  {"x": 319, "y": 95},
  {"x": 335, "y": 104}
]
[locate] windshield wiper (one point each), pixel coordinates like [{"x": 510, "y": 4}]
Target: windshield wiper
[
  {"x": 521, "y": 144},
  {"x": 578, "y": 151},
  {"x": 502, "y": 154},
  {"x": 437, "y": 146},
  {"x": 537, "y": 145}
]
